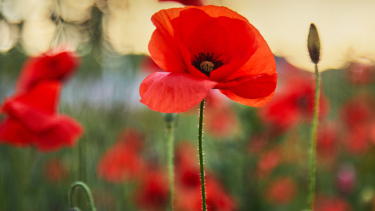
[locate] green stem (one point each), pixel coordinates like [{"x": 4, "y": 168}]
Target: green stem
[
  {"x": 201, "y": 160},
  {"x": 88, "y": 195},
  {"x": 313, "y": 140},
  {"x": 170, "y": 162}
]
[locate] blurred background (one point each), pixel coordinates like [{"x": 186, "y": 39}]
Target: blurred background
[{"x": 256, "y": 158}]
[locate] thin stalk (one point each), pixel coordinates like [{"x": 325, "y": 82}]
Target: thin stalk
[
  {"x": 87, "y": 192},
  {"x": 201, "y": 160},
  {"x": 170, "y": 162},
  {"x": 313, "y": 140}
]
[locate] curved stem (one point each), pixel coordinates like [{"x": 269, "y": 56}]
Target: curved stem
[
  {"x": 313, "y": 140},
  {"x": 201, "y": 160},
  {"x": 88, "y": 195},
  {"x": 170, "y": 161}
]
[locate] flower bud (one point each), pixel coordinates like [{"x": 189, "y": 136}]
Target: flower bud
[{"x": 313, "y": 44}]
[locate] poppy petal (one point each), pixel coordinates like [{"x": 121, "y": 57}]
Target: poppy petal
[
  {"x": 262, "y": 61},
  {"x": 173, "y": 92},
  {"x": 65, "y": 133},
  {"x": 58, "y": 66},
  {"x": 242, "y": 45},
  {"x": 185, "y": 24},
  {"x": 14, "y": 133},
  {"x": 255, "y": 92},
  {"x": 165, "y": 53},
  {"x": 35, "y": 109},
  {"x": 208, "y": 37}
]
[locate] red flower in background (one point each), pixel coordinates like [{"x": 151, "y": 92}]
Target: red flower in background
[
  {"x": 360, "y": 73},
  {"x": 122, "y": 161},
  {"x": 281, "y": 191},
  {"x": 346, "y": 178},
  {"x": 56, "y": 65},
  {"x": 153, "y": 195},
  {"x": 357, "y": 117},
  {"x": 188, "y": 192},
  {"x": 331, "y": 204},
  {"x": 55, "y": 171},
  {"x": 188, "y": 2},
  {"x": 326, "y": 143},
  {"x": 32, "y": 119},
  {"x": 292, "y": 104},
  {"x": 268, "y": 162},
  {"x": 220, "y": 119},
  {"x": 204, "y": 48}
]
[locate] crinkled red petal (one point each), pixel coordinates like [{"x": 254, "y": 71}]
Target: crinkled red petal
[{"x": 173, "y": 92}]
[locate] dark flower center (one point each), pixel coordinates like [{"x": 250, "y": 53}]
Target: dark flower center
[{"x": 206, "y": 63}]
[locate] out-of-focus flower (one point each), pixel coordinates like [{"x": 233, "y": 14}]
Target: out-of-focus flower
[
  {"x": 257, "y": 143},
  {"x": 361, "y": 73},
  {"x": 55, "y": 171},
  {"x": 8, "y": 35},
  {"x": 357, "y": 117},
  {"x": 268, "y": 161},
  {"x": 346, "y": 178},
  {"x": 57, "y": 64},
  {"x": 187, "y": 2},
  {"x": 153, "y": 194},
  {"x": 281, "y": 191},
  {"x": 204, "y": 48},
  {"x": 331, "y": 204},
  {"x": 32, "y": 119},
  {"x": 220, "y": 118},
  {"x": 294, "y": 103},
  {"x": 122, "y": 161},
  {"x": 326, "y": 143},
  {"x": 188, "y": 192}
]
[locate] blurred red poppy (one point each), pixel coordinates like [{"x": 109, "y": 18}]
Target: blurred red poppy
[
  {"x": 188, "y": 2},
  {"x": 188, "y": 192},
  {"x": 153, "y": 194},
  {"x": 281, "y": 191},
  {"x": 122, "y": 161},
  {"x": 149, "y": 66},
  {"x": 357, "y": 118},
  {"x": 268, "y": 162},
  {"x": 57, "y": 64},
  {"x": 32, "y": 119},
  {"x": 331, "y": 204},
  {"x": 55, "y": 171},
  {"x": 204, "y": 48},
  {"x": 294, "y": 102},
  {"x": 220, "y": 120},
  {"x": 326, "y": 142},
  {"x": 360, "y": 73}
]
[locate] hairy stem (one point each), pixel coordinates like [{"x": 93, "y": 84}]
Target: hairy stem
[
  {"x": 201, "y": 160},
  {"x": 313, "y": 140}
]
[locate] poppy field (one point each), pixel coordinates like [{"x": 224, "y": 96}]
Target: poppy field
[{"x": 182, "y": 105}]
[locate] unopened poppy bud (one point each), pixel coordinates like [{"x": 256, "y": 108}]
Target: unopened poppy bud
[
  {"x": 313, "y": 44},
  {"x": 207, "y": 66}
]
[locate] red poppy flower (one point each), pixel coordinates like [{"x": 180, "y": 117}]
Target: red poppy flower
[
  {"x": 57, "y": 64},
  {"x": 326, "y": 142},
  {"x": 357, "y": 117},
  {"x": 188, "y": 2},
  {"x": 55, "y": 171},
  {"x": 122, "y": 161},
  {"x": 360, "y": 73},
  {"x": 268, "y": 162},
  {"x": 331, "y": 204},
  {"x": 32, "y": 119},
  {"x": 204, "y": 48},
  {"x": 281, "y": 191},
  {"x": 220, "y": 120},
  {"x": 294, "y": 102},
  {"x": 153, "y": 195}
]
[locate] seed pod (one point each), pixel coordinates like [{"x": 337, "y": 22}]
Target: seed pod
[{"x": 313, "y": 44}]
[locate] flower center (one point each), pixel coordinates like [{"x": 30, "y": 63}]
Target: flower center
[{"x": 206, "y": 63}]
